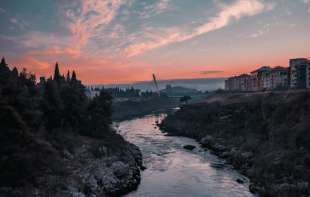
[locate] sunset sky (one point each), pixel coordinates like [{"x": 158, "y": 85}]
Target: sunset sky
[{"x": 118, "y": 41}]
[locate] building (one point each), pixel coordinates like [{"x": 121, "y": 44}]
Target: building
[
  {"x": 299, "y": 73},
  {"x": 279, "y": 78},
  {"x": 238, "y": 83},
  {"x": 264, "y": 78},
  {"x": 296, "y": 76},
  {"x": 261, "y": 78}
]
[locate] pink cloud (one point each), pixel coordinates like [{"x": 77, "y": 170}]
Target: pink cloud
[{"x": 91, "y": 18}]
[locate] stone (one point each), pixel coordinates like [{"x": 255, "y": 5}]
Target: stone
[
  {"x": 189, "y": 147},
  {"x": 207, "y": 140},
  {"x": 240, "y": 181},
  {"x": 120, "y": 169}
]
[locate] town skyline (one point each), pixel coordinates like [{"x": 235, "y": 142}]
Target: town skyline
[{"x": 125, "y": 41}]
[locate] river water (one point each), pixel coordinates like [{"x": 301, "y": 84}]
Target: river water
[{"x": 173, "y": 171}]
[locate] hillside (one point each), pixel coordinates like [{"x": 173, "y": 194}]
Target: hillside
[
  {"x": 265, "y": 136},
  {"x": 54, "y": 141}
]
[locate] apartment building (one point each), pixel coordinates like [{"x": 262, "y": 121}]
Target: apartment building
[{"x": 299, "y": 73}]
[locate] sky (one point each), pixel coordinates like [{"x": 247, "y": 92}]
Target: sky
[{"x": 121, "y": 41}]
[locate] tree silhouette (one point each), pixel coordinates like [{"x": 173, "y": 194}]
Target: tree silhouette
[
  {"x": 57, "y": 75},
  {"x": 73, "y": 78},
  {"x": 68, "y": 76},
  {"x": 185, "y": 99}
]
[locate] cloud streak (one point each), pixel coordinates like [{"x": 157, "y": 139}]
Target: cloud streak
[
  {"x": 235, "y": 11},
  {"x": 91, "y": 17}
]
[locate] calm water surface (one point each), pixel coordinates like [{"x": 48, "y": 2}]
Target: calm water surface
[{"x": 173, "y": 171}]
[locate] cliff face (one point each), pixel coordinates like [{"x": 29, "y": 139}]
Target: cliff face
[{"x": 266, "y": 136}]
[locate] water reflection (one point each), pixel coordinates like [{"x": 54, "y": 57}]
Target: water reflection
[{"x": 173, "y": 171}]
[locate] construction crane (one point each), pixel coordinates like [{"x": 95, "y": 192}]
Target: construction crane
[{"x": 156, "y": 84}]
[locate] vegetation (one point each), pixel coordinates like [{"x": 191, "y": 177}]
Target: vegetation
[
  {"x": 130, "y": 93},
  {"x": 185, "y": 99},
  {"x": 266, "y": 136},
  {"x": 146, "y": 105},
  {"x": 42, "y": 134}
]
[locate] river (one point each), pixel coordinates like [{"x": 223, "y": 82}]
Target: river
[{"x": 173, "y": 171}]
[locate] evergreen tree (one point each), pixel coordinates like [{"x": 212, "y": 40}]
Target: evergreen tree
[
  {"x": 68, "y": 76},
  {"x": 73, "y": 78},
  {"x": 15, "y": 72},
  {"x": 99, "y": 114},
  {"x": 57, "y": 75},
  {"x": 3, "y": 64}
]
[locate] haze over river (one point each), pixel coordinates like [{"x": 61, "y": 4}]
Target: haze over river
[{"x": 173, "y": 171}]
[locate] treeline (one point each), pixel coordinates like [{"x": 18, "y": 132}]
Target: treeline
[
  {"x": 56, "y": 104},
  {"x": 130, "y": 93}
]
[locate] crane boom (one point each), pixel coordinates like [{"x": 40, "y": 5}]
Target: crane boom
[{"x": 155, "y": 83}]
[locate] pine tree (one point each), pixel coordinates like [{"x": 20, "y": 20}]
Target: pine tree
[
  {"x": 15, "y": 72},
  {"x": 68, "y": 76},
  {"x": 57, "y": 75},
  {"x": 73, "y": 78},
  {"x": 3, "y": 65}
]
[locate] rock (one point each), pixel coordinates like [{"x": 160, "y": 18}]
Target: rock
[
  {"x": 207, "y": 141},
  {"x": 120, "y": 169},
  {"x": 225, "y": 154},
  {"x": 219, "y": 148},
  {"x": 240, "y": 181},
  {"x": 67, "y": 154},
  {"x": 189, "y": 147},
  {"x": 218, "y": 165},
  {"x": 247, "y": 155},
  {"x": 142, "y": 168},
  {"x": 253, "y": 188}
]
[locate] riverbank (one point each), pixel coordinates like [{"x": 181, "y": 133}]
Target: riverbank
[
  {"x": 265, "y": 136},
  {"x": 71, "y": 165}
]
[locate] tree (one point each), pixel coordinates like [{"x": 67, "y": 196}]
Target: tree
[
  {"x": 99, "y": 114},
  {"x": 57, "y": 75},
  {"x": 52, "y": 106},
  {"x": 3, "y": 64},
  {"x": 15, "y": 72},
  {"x": 73, "y": 78},
  {"x": 185, "y": 99},
  {"x": 4, "y": 71},
  {"x": 68, "y": 76}
]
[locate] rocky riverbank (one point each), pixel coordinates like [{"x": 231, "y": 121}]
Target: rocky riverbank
[
  {"x": 265, "y": 136},
  {"x": 71, "y": 165}
]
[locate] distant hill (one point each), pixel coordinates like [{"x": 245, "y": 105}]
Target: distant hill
[{"x": 203, "y": 84}]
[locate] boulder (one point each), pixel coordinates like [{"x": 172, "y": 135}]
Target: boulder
[
  {"x": 207, "y": 141},
  {"x": 240, "y": 181},
  {"x": 120, "y": 169},
  {"x": 189, "y": 147}
]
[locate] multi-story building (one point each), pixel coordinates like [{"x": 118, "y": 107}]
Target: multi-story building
[
  {"x": 262, "y": 80},
  {"x": 299, "y": 73},
  {"x": 296, "y": 76},
  {"x": 279, "y": 77},
  {"x": 239, "y": 83}
]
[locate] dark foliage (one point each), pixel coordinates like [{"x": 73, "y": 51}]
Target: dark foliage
[
  {"x": 46, "y": 109},
  {"x": 266, "y": 136}
]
